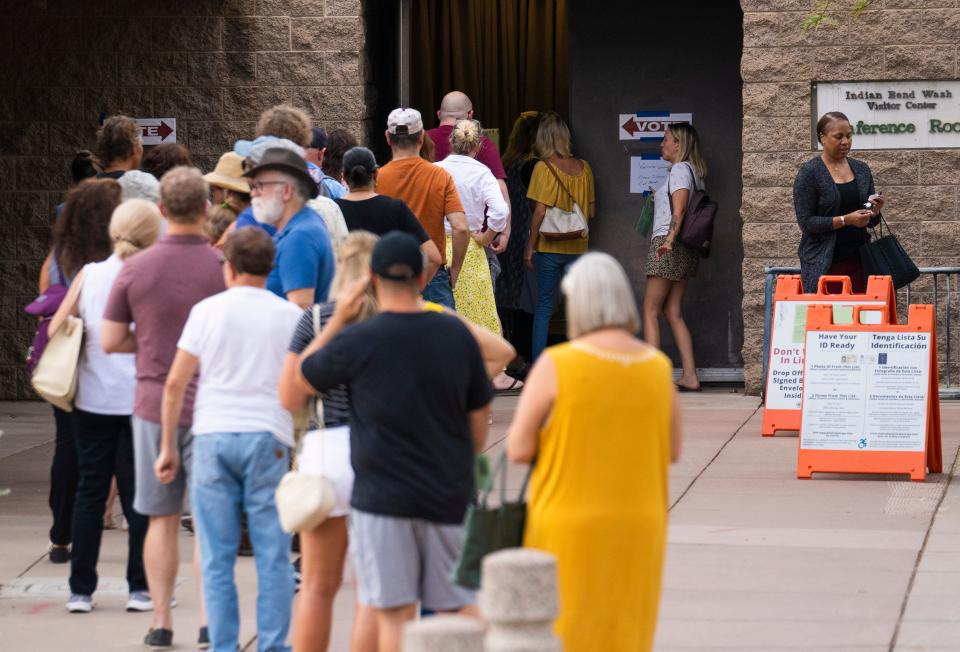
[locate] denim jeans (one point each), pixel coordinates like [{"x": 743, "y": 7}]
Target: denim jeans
[
  {"x": 438, "y": 290},
  {"x": 104, "y": 449},
  {"x": 235, "y": 472},
  {"x": 550, "y": 269}
]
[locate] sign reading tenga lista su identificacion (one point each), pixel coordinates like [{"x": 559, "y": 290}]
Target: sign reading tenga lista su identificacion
[{"x": 893, "y": 114}]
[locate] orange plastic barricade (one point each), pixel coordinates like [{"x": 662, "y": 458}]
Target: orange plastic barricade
[
  {"x": 871, "y": 400},
  {"x": 781, "y": 400}
]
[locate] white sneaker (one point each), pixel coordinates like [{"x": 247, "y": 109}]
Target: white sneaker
[
  {"x": 141, "y": 601},
  {"x": 79, "y": 604}
]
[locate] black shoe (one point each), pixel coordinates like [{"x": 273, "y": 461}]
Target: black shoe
[
  {"x": 159, "y": 639},
  {"x": 297, "y": 574},
  {"x": 186, "y": 521},
  {"x": 59, "y": 554},
  {"x": 203, "y": 641}
]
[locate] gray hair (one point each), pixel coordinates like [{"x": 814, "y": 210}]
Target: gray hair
[
  {"x": 598, "y": 296},
  {"x": 136, "y": 184}
]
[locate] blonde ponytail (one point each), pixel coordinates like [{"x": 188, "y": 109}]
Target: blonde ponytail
[
  {"x": 134, "y": 225},
  {"x": 465, "y": 137}
]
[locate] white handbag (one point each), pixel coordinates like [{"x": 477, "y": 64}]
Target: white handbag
[
  {"x": 559, "y": 224},
  {"x": 55, "y": 377}
]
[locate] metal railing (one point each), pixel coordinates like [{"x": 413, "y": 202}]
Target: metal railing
[{"x": 947, "y": 278}]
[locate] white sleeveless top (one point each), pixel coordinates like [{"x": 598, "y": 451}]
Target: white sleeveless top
[{"x": 106, "y": 382}]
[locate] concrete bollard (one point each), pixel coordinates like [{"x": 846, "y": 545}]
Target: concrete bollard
[
  {"x": 443, "y": 633},
  {"x": 518, "y": 599}
]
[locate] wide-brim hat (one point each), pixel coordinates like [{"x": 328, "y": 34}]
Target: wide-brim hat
[
  {"x": 283, "y": 160},
  {"x": 229, "y": 174}
]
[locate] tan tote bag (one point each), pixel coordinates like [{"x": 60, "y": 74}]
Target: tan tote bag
[{"x": 55, "y": 378}]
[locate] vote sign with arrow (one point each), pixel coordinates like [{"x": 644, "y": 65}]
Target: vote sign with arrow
[
  {"x": 649, "y": 125},
  {"x": 155, "y": 131}
]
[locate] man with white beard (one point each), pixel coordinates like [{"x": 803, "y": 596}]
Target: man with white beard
[{"x": 280, "y": 186}]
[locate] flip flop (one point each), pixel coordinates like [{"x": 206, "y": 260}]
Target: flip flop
[
  {"x": 514, "y": 387},
  {"x": 684, "y": 388}
]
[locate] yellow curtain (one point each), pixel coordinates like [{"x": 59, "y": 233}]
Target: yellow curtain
[{"x": 508, "y": 56}]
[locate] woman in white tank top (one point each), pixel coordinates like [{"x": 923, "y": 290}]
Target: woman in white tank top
[{"x": 101, "y": 415}]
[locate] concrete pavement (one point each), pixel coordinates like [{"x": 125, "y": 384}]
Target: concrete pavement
[{"x": 756, "y": 560}]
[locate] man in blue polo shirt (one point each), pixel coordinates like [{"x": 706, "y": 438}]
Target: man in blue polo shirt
[{"x": 281, "y": 186}]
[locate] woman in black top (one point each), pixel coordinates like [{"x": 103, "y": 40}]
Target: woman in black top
[
  {"x": 829, "y": 194},
  {"x": 364, "y": 210}
]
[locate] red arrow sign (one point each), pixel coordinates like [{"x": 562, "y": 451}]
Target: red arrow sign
[
  {"x": 630, "y": 126},
  {"x": 164, "y": 130}
]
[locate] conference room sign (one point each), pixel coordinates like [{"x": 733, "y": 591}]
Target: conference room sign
[{"x": 911, "y": 114}]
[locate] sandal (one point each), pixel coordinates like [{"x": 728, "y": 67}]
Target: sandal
[{"x": 684, "y": 388}]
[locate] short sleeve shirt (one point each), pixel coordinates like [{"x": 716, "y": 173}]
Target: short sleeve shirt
[
  {"x": 380, "y": 215},
  {"x": 156, "y": 289},
  {"x": 681, "y": 176},
  {"x": 411, "y": 444},
  {"x": 304, "y": 257},
  {"x": 488, "y": 154},
  {"x": 336, "y": 400},
  {"x": 428, "y": 190},
  {"x": 545, "y": 188}
]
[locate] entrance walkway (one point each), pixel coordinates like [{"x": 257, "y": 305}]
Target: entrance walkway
[{"x": 757, "y": 559}]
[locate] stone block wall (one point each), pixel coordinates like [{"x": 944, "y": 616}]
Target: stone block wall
[
  {"x": 214, "y": 65},
  {"x": 895, "y": 39}
]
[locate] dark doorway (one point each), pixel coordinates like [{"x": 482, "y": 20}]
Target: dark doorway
[{"x": 627, "y": 57}]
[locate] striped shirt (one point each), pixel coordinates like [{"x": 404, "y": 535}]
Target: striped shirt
[{"x": 336, "y": 401}]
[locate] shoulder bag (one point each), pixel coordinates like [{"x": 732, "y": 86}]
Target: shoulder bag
[
  {"x": 55, "y": 376},
  {"x": 696, "y": 231},
  {"x": 885, "y": 256},
  {"x": 488, "y": 529},
  {"x": 559, "y": 224}
]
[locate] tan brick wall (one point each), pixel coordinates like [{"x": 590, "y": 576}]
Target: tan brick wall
[
  {"x": 214, "y": 65},
  {"x": 897, "y": 39}
]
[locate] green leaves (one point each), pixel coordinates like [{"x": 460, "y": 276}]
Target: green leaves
[{"x": 821, "y": 15}]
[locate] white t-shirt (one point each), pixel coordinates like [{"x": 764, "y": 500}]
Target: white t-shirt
[
  {"x": 479, "y": 192},
  {"x": 105, "y": 381},
  {"x": 681, "y": 176},
  {"x": 240, "y": 337}
]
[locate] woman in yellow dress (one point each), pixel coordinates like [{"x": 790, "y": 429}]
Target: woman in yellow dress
[{"x": 599, "y": 415}]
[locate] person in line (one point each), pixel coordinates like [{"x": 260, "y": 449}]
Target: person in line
[
  {"x": 456, "y": 106},
  {"x": 80, "y": 236},
  {"x": 557, "y": 176},
  {"x": 137, "y": 184},
  {"x": 324, "y": 548},
  {"x": 229, "y": 197},
  {"x": 670, "y": 263},
  {"x": 162, "y": 158},
  {"x": 101, "y": 413},
  {"x": 242, "y": 437},
  {"x": 484, "y": 206},
  {"x": 516, "y": 288},
  {"x": 330, "y": 187},
  {"x": 365, "y": 210},
  {"x": 431, "y": 194},
  {"x": 156, "y": 290},
  {"x": 339, "y": 142},
  {"x": 119, "y": 147},
  {"x": 406, "y": 516},
  {"x": 281, "y": 186},
  {"x": 600, "y": 416},
  {"x": 829, "y": 193}
]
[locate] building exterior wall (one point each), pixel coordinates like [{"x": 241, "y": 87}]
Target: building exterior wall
[
  {"x": 214, "y": 65},
  {"x": 896, "y": 39}
]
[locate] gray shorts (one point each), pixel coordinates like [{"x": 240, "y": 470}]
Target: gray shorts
[
  {"x": 152, "y": 498},
  {"x": 400, "y": 561}
]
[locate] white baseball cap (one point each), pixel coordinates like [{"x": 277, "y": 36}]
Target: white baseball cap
[{"x": 404, "y": 121}]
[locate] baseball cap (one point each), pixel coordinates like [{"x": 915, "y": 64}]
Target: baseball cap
[
  {"x": 394, "y": 249},
  {"x": 404, "y": 121},
  {"x": 319, "y": 139}
]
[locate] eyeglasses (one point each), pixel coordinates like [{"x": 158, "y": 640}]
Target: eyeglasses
[{"x": 258, "y": 186}]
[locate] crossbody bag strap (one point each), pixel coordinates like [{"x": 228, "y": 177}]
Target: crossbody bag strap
[{"x": 560, "y": 181}]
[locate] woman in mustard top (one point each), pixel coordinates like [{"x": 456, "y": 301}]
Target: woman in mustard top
[
  {"x": 599, "y": 414},
  {"x": 557, "y": 165}
]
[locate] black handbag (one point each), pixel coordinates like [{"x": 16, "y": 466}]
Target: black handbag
[
  {"x": 885, "y": 256},
  {"x": 488, "y": 529}
]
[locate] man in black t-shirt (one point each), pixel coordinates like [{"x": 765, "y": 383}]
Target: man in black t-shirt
[{"x": 420, "y": 400}]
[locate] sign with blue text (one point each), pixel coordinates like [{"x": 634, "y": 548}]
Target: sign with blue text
[{"x": 893, "y": 114}]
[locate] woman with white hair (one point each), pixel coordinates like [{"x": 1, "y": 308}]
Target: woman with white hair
[
  {"x": 599, "y": 414},
  {"x": 102, "y": 409}
]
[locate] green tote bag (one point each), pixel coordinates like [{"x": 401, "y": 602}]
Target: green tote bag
[{"x": 488, "y": 529}]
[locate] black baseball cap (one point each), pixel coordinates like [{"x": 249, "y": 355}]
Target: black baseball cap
[
  {"x": 318, "y": 138},
  {"x": 397, "y": 249}
]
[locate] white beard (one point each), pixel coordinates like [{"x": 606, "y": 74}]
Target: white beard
[{"x": 267, "y": 211}]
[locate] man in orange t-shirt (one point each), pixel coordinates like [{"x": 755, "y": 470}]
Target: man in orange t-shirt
[{"x": 430, "y": 193}]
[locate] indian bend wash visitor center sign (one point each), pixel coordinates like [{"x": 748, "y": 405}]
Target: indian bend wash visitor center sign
[{"x": 894, "y": 114}]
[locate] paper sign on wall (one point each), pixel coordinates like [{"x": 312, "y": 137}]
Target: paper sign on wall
[
  {"x": 155, "y": 131},
  {"x": 647, "y": 171},
  {"x": 649, "y": 125}
]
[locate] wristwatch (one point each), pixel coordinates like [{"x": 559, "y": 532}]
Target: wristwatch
[{"x": 843, "y": 222}]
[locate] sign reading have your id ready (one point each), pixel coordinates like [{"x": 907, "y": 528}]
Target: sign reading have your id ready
[{"x": 893, "y": 114}]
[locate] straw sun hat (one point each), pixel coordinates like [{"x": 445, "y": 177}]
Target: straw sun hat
[{"x": 229, "y": 174}]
